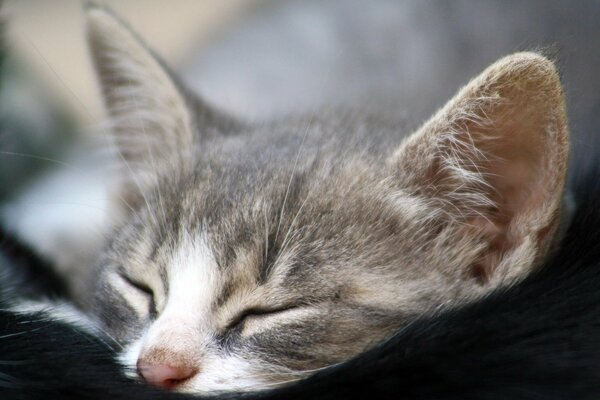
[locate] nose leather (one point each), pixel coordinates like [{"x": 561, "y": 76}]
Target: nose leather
[{"x": 162, "y": 375}]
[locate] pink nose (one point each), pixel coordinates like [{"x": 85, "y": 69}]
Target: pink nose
[{"x": 164, "y": 376}]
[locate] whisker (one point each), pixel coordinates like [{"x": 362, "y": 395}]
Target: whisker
[
  {"x": 78, "y": 101},
  {"x": 152, "y": 160},
  {"x": 61, "y": 163},
  {"x": 287, "y": 191},
  {"x": 266, "y": 233},
  {"x": 60, "y": 80},
  {"x": 39, "y": 158},
  {"x": 60, "y": 203},
  {"x": 293, "y": 223},
  {"x": 111, "y": 337},
  {"x": 135, "y": 181}
]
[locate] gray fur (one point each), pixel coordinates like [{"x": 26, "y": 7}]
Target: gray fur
[{"x": 326, "y": 233}]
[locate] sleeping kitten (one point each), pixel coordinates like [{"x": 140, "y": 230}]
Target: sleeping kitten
[{"x": 252, "y": 256}]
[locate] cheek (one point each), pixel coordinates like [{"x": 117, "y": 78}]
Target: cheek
[
  {"x": 216, "y": 367},
  {"x": 230, "y": 372},
  {"x": 140, "y": 303},
  {"x": 299, "y": 317},
  {"x": 128, "y": 358},
  {"x": 315, "y": 342},
  {"x": 122, "y": 323},
  {"x": 118, "y": 317}
]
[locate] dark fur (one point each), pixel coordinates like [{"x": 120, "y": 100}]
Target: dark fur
[
  {"x": 537, "y": 340},
  {"x": 34, "y": 272}
]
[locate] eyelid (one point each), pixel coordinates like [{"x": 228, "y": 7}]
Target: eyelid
[
  {"x": 145, "y": 289},
  {"x": 257, "y": 311},
  {"x": 140, "y": 286}
]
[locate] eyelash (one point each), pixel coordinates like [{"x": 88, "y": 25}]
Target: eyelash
[
  {"x": 144, "y": 289},
  {"x": 255, "y": 312}
]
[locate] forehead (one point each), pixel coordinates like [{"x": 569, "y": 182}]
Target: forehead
[
  {"x": 301, "y": 207},
  {"x": 300, "y": 225}
]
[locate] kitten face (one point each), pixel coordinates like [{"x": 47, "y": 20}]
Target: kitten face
[
  {"x": 249, "y": 257},
  {"x": 260, "y": 275}
]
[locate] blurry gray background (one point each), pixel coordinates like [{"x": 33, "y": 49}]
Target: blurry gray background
[{"x": 259, "y": 59}]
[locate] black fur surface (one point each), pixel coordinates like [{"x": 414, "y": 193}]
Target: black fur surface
[
  {"x": 537, "y": 340},
  {"x": 37, "y": 279}
]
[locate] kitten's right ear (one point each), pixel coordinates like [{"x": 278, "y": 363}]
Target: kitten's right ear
[
  {"x": 155, "y": 122},
  {"x": 151, "y": 120}
]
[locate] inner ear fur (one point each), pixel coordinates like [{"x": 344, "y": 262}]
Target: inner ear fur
[{"x": 494, "y": 159}]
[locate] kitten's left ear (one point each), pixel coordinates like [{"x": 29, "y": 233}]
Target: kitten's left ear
[{"x": 494, "y": 160}]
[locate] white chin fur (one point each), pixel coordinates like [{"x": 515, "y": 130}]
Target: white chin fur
[
  {"x": 128, "y": 358},
  {"x": 218, "y": 374}
]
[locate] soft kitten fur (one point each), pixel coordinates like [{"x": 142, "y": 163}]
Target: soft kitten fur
[{"x": 251, "y": 256}]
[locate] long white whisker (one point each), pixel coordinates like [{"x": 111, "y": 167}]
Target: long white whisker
[
  {"x": 293, "y": 223},
  {"x": 39, "y": 158},
  {"x": 78, "y": 101},
  {"x": 134, "y": 178},
  {"x": 287, "y": 191},
  {"x": 152, "y": 160},
  {"x": 112, "y": 338},
  {"x": 266, "y": 234},
  {"x": 62, "y": 82},
  {"x": 57, "y": 162}
]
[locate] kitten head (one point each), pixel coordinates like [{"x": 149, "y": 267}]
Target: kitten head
[{"x": 249, "y": 257}]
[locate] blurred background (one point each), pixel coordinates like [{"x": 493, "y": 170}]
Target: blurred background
[{"x": 258, "y": 59}]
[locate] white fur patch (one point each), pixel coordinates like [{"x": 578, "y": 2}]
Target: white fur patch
[
  {"x": 225, "y": 373},
  {"x": 129, "y": 356},
  {"x": 410, "y": 206},
  {"x": 183, "y": 325},
  {"x": 219, "y": 373},
  {"x": 186, "y": 328},
  {"x": 192, "y": 278}
]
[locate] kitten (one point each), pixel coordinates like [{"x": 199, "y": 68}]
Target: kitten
[{"x": 252, "y": 256}]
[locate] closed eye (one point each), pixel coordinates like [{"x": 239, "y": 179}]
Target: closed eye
[
  {"x": 144, "y": 289},
  {"x": 256, "y": 312}
]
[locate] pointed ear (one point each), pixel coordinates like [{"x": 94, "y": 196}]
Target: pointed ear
[
  {"x": 494, "y": 161},
  {"x": 151, "y": 120}
]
